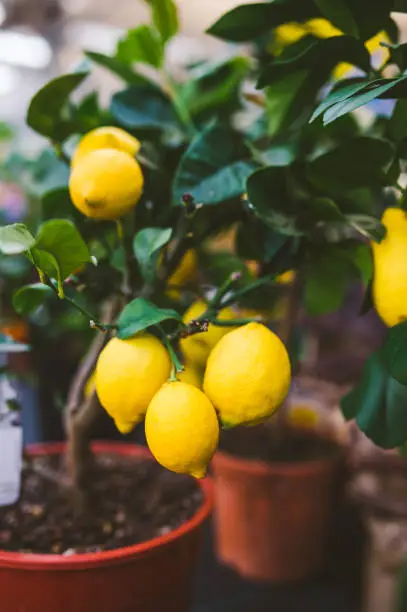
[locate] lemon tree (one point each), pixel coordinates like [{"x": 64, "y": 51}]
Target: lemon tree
[{"x": 263, "y": 155}]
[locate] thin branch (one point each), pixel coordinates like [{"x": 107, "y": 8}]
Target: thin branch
[
  {"x": 60, "y": 153},
  {"x": 87, "y": 366}
]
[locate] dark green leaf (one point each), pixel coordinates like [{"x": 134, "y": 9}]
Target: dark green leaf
[
  {"x": 45, "y": 113},
  {"x": 287, "y": 98},
  {"x": 165, "y": 18},
  {"x": 113, "y": 64},
  {"x": 243, "y": 23},
  {"x": 372, "y": 90},
  {"x": 142, "y": 44},
  {"x": 397, "y": 125},
  {"x": 15, "y": 239},
  {"x": 317, "y": 55},
  {"x": 143, "y": 107},
  {"x": 249, "y": 21},
  {"x": 338, "y": 94},
  {"x": 395, "y": 352},
  {"x": 329, "y": 273},
  {"x": 401, "y": 576},
  {"x": 220, "y": 265},
  {"x": 268, "y": 199},
  {"x": 29, "y": 298},
  {"x": 379, "y": 403},
  {"x": 211, "y": 169},
  {"x": 60, "y": 239},
  {"x": 336, "y": 171},
  {"x": 146, "y": 246},
  {"x": 361, "y": 255},
  {"x": 339, "y": 13},
  {"x": 141, "y": 314},
  {"x": 57, "y": 203}
]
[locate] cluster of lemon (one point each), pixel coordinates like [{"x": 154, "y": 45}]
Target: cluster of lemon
[
  {"x": 232, "y": 375},
  {"x": 247, "y": 376}
]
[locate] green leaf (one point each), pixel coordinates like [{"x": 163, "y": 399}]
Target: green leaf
[
  {"x": 214, "y": 87},
  {"x": 143, "y": 107},
  {"x": 361, "y": 255},
  {"x": 338, "y": 94},
  {"x": 165, "y": 18},
  {"x": 46, "y": 111},
  {"x": 141, "y": 314},
  {"x": 61, "y": 240},
  {"x": 6, "y": 131},
  {"x": 15, "y": 239},
  {"x": 57, "y": 203},
  {"x": 287, "y": 98},
  {"x": 29, "y": 298},
  {"x": 338, "y": 13},
  {"x": 317, "y": 55},
  {"x": 328, "y": 275},
  {"x": 379, "y": 404},
  {"x": 395, "y": 352},
  {"x": 146, "y": 246},
  {"x": 249, "y": 21},
  {"x": 268, "y": 199},
  {"x": 397, "y": 125},
  {"x": 401, "y": 577},
  {"x": 116, "y": 66},
  {"x": 336, "y": 171},
  {"x": 381, "y": 88},
  {"x": 212, "y": 168},
  {"x": 142, "y": 44}
]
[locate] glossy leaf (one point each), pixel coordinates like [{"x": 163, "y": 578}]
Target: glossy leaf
[
  {"x": 336, "y": 171},
  {"x": 30, "y": 297},
  {"x": 212, "y": 168},
  {"x": 267, "y": 194},
  {"x": 141, "y": 314},
  {"x": 379, "y": 404},
  {"x": 143, "y": 107},
  {"x": 15, "y": 239},
  {"x": 286, "y": 100},
  {"x": 60, "y": 239},
  {"x": 45, "y": 113},
  {"x": 146, "y": 246}
]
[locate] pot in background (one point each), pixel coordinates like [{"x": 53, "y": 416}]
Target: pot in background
[{"x": 273, "y": 520}]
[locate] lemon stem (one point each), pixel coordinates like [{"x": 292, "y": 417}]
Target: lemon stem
[{"x": 177, "y": 366}]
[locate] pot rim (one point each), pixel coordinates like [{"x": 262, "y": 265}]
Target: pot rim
[
  {"x": 38, "y": 561},
  {"x": 259, "y": 467}
]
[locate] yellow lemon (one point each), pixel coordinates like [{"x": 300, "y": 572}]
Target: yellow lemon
[
  {"x": 390, "y": 268},
  {"x": 196, "y": 348},
  {"x": 192, "y": 375},
  {"x": 90, "y": 385},
  {"x": 108, "y": 137},
  {"x": 182, "y": 429},
  {"x": 128, "y": 374},
  {"x": 106, "y": 184},
  {"x": 303, "y": 416},
  {"x": 248, "y": 374},
  {"x": 286, "y": 278},
  {"x": 186, "y": 272}
]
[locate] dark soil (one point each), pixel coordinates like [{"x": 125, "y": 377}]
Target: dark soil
[
  {"x": 257, "y": 443},
  {"x": 134, "y": 500}
]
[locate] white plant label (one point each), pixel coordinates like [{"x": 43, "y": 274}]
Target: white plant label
[{"x": 11, "y": 446}]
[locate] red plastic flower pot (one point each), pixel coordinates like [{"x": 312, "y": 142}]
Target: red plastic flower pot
[
  {"x": 273, "y": 520},
  {"x": 154, "y": 576}
]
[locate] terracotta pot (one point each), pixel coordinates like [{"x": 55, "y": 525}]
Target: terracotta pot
[
  {"x": 154, "y": 576},
  {"x": 273, "y": 521}
]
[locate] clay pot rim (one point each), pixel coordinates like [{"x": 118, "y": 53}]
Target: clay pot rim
[
  {"x": 37, "y": 561},
  {"x": 260, "y": 467}
]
